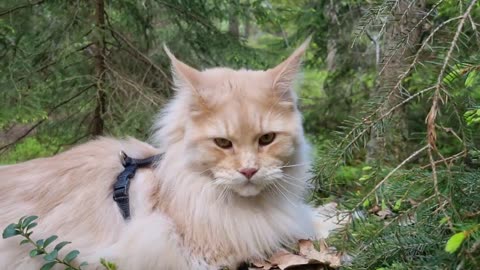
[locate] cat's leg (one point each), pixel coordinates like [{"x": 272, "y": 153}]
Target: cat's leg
[{"x": 148, "y": 243}]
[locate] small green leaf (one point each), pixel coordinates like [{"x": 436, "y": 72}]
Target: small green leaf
[
  {"x": 471, "y": 78},
  {"x": 384, "y": 205},
  {"x": 25, "y": 241},
  {"x": 34, "y": 252},
  {"x": 48, "y": 266},
  {"x": 71, "y": 256},
  {"x": 364, "y": 177},
  {"x": 455, "y": 242},
  {"x": 40, "y": 242},
  {"x": 443, "y": 220},
  {"x": 397, "y": 205},
  {"x": 51, "y": 256},
  {"x": 30, "y": 226},
  {"x": 366, "y": 168},
  {"x": 61, "y": 245},
  {"x": 10, "y": 230},
  {"x": 20, "y": 221},
  {"x": 82, "y": 265},
  {"x": 108, "y": 265},
  {"x": 28, "y": 220},
  {"x": 49, "y": 240},
  {"x": 366, "y": 203}
]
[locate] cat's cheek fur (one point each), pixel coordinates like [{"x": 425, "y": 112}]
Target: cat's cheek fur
[
  {"x": 283, "y": 148},
  {"x": 202, "y": 155}
]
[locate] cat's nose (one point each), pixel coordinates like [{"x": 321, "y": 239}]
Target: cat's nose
[{"x": 248, "y": 172}]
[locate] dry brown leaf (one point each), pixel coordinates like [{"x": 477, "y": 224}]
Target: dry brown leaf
[
  {"x": 284, "y": 259},
  {"x": 327, "y": 256},
  {"x": 262, "y": 265},
  {"x": 308, "y": 258},
  {"x": 375, "y": 209},
  {"x": 385, "y": 213}
]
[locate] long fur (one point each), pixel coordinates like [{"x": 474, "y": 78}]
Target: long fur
[{"x": 193, "y": 210}]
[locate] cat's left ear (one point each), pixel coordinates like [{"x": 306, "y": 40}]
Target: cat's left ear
[
  {"x": 285, "y": 73},
  {"x": 184, "y": 76}
]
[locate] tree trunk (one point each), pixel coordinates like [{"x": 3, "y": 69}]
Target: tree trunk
[
  {"x": 97, "y": 125},
  {"x": 233, "y": 26},
  {"x": 333, "y": 34},
  {"x": 388, "y": 139},
  {"x": 233, "y": 22},
  {"x": 248, "y": 26}
]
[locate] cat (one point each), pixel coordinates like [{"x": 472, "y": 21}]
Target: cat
[{"x": 230, "y": 187}]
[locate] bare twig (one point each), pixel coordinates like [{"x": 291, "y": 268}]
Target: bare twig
[
  {"x": 449, "y": 159},
  {"x": 432, "y": 115}
]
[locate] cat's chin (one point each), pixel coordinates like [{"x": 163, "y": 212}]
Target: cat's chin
[{"x": 248, "y": 190}]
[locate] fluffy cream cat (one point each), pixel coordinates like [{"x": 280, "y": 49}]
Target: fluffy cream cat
[{"x": 229, "y": 189}]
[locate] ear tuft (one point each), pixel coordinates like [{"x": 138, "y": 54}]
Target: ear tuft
[
  {"x": 184, "y": 76},
  {"x": 285, "y": 73}
]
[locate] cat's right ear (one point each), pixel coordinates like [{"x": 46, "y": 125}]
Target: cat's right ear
[{"x": 184, "y": 76}]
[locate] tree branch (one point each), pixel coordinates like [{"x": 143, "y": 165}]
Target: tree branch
[
  {"x": 8, "y": 11},
  {"x": 38, "y": 123}
]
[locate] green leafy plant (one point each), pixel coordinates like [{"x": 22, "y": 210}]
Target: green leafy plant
[{"x": 24, "y": 228}]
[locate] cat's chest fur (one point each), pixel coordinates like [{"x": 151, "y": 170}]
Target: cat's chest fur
[{"x": 224, "y": 231}]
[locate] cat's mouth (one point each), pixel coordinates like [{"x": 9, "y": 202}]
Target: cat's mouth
[{"x": 248, "y": 189}]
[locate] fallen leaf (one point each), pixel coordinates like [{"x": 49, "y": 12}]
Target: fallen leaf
[
  {"x": 262, "y": 265},
  {"x": 284, "y": 259},
  {"x": 308, "y": 258},
  {"x": 327, "y": 257},
  {"x": 383, "y": 214},
  {"x": 375, "y": 209}
]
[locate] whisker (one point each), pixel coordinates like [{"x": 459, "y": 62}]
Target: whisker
[
  {"x": 303, "y": 185},
  {"x": 296, "y": 196},
  {"x": 294, "y": 165},
  {"x": 283, "y": 194}
]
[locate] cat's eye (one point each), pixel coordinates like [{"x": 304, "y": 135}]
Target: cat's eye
[
  {"x": 223, "y": 143},
  {"x": 266, "y": 139}
]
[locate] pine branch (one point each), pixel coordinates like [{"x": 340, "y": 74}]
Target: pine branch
[
  {"x": 11, "y": 10},
  {"x": 379, "y": 184},
  {"x": 3, "y": 148}
]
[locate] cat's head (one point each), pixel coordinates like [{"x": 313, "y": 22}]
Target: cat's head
[{"x": 242, "y": 127}]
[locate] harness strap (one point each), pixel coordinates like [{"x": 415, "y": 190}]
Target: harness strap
[{"x": 121, "y": 186}]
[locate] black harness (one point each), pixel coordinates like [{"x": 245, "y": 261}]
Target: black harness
[{"x": 121, "y": 186}]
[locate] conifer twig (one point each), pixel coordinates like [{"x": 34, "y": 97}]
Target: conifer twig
[{"x": 379, "y": 184}]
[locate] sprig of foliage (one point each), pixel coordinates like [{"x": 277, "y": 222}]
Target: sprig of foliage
[{"x": 24, "y": 228}]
